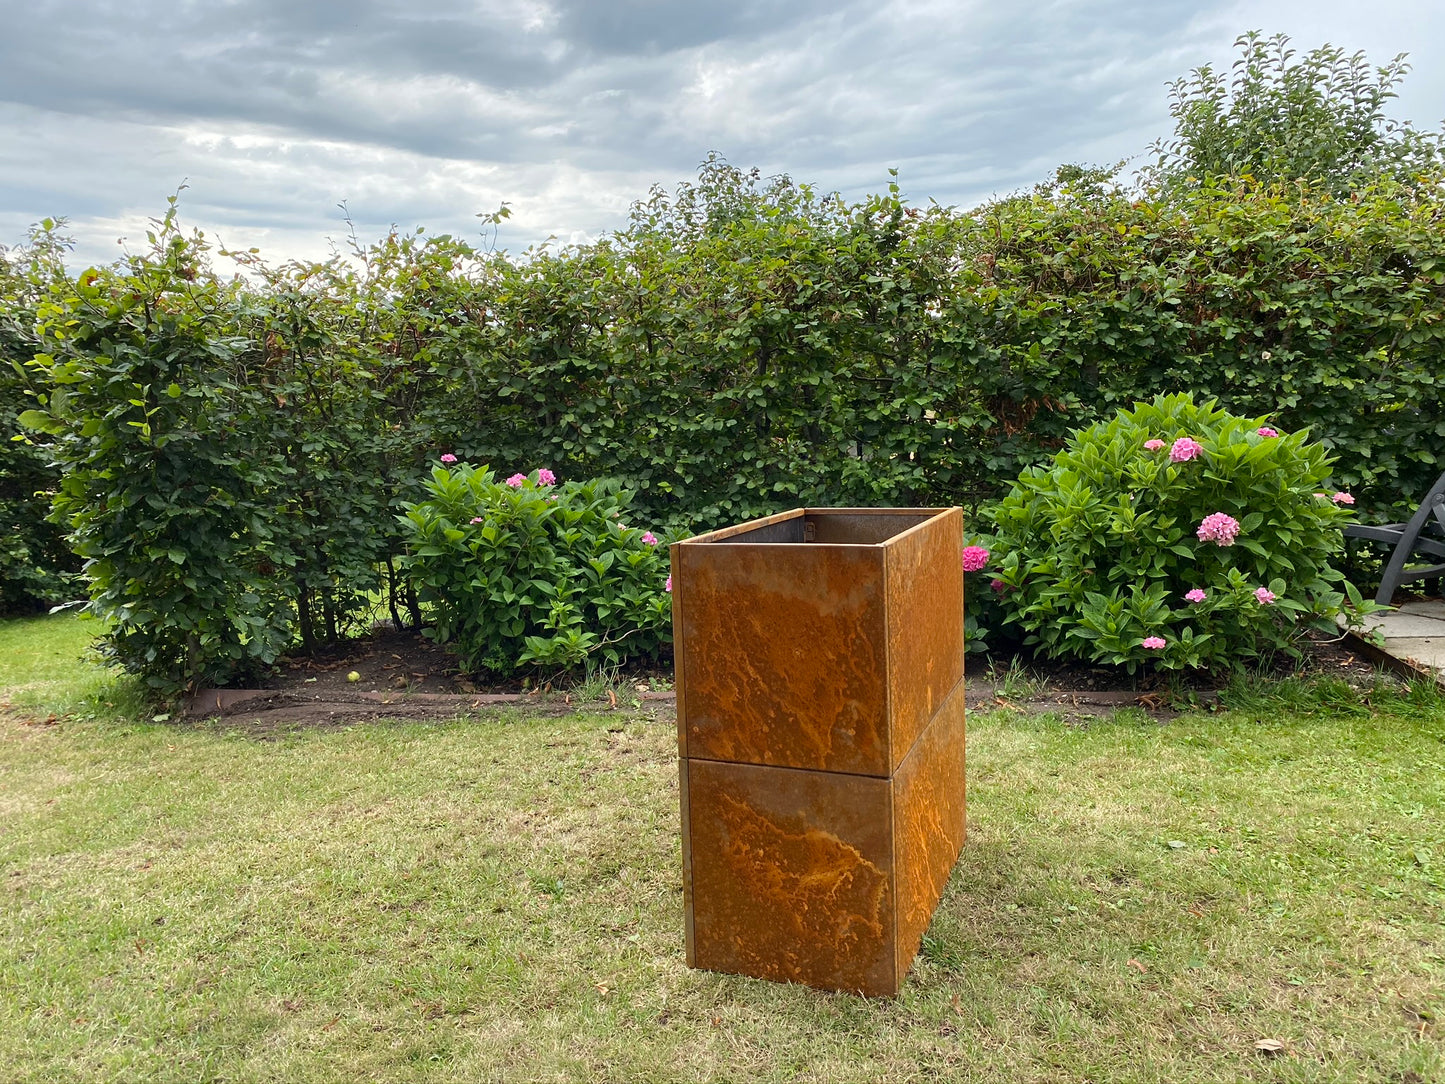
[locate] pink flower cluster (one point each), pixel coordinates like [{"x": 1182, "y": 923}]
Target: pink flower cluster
[
  {"x": 449, "y": 458},
  {"x": 1266, "y": 431},
  {"x": 1185, "y": 449},
  {"x": 668, "y": 585},
  {"x": 544, "y": 478},
  {"x": 1153, "y": 445},
  {"x": 1218, "y": 528},
  {"x": 1154, "y": 643},
  {"x": 1343, "y": 498},
  {"x": 649, "y": 538},
  {"x": 1263, "y": 595},
  {"x": 974, "y": 558}
]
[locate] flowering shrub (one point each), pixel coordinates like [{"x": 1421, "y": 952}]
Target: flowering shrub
[
  {"x": 1212, "y": 552},
  {"x": 982, "y": 613},
  {"x": 527, "y": 572}
]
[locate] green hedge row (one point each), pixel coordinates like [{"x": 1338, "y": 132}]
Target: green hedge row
[
  {"x": 236, "y": 450},
  {"x": 37, "y": 569}
]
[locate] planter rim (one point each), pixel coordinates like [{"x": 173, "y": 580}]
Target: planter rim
[{"x": 726, "y": 535}]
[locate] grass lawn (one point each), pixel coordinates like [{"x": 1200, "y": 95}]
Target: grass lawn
[{"x": 499, "y": 899}]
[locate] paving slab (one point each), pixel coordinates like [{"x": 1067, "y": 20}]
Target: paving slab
[
  {"x": 1421, "y": 650},
  {"x": 1410, "y": 639},
  {"x": 1406, "y": 624}
]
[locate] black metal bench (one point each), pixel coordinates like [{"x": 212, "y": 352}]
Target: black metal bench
[{"x": 1424, "y": 536}]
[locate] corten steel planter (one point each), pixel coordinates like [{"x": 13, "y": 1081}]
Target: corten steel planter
[{"x": 820, "y": 716}]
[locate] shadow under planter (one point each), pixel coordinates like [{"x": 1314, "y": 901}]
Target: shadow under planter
[{"x": 820, "y": 713}]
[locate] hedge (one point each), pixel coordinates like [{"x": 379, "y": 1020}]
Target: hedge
[{"x": 743, "y": 345}]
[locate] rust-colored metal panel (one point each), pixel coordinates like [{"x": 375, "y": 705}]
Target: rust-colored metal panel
[
  {"x": 783, "y": 655},
  {"x": 782, "y": 527},
  {"x": 925, "y": 626},
  {"x": 687, "y": 924},
  {"x": 679, "y": 664},
  {"x": 792, "y": 875},
  {"x": 861, "y": 526},
  {"x": 929, "y": 822},
  {"x": 821, "y": 727}
]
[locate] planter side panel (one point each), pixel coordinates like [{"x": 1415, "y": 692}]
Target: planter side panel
[
  {"x": 791, "y": 876},
  {"x": 687, "y": 931},
  {"x": 784, "y": 655},
  {"x": 925, "y": 626},
  {"x": 929, "y": 822}
]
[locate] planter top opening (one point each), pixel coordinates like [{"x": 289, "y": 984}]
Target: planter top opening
[{"x": 825, "y": 526}]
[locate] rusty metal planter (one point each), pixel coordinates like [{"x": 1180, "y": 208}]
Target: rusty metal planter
[{"x": 820, "y": 715}]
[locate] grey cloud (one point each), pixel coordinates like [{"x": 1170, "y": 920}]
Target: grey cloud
[
  {"x": 640, "y": 27},
  {"x": 277, "y": 110},
  {"x": 285, "y": 66},
  {"x": 601, "y": 78}
]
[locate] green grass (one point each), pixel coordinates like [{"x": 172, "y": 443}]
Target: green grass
[
  {"x": 46, "y": 668},
  {"x": 500, "y": 900}
]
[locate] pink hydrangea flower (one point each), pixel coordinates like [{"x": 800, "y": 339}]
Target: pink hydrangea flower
[
  {"x": 1219, "y": 529},
  {"x": 974, "y": 558},
  {"x": 545, "y": 477},
  {"x": 476, "y": 519},
  {"x": 1153, "y": 445},
  {"x": 517, "y": 481},
  {"x": 1266, "y": 431},
  {"x": 449, "y": 458},
  {"x": 998, "y": 586},
  {"x": 1195, "y": 595},
  {"x": 1185, "y": 449},
  {"x": 1264, "y": 595},
  {"x": 1343, "y": 498},
  {"x": 668, "y": 585},
  {"x": 1154, "y": 643},
  {"x": 649, "y": 538}
]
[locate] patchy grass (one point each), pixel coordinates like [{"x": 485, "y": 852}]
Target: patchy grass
[{"x": 499, "y": 900}]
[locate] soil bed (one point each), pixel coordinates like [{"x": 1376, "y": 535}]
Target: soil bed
[{"x": 402, "y": 675}]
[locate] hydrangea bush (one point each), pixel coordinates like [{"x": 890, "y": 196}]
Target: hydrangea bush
[
  {"x": 1176, "y": 535},
  {"x": 982, "y": 615},
  {"x": 528, "y": 572}
]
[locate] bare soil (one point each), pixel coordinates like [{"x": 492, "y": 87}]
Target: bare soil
[{"x": 402, "y": 675}]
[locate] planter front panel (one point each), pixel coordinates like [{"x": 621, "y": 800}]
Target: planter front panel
[
  {"x": 790, "y": 875},
  {"x": 925, "y": 626},
  {"x": 928, "y": 822},
  {"x": 783, "y": 655}
]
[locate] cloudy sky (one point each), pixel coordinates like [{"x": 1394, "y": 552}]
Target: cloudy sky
[{"x": 275, "y": 111}]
